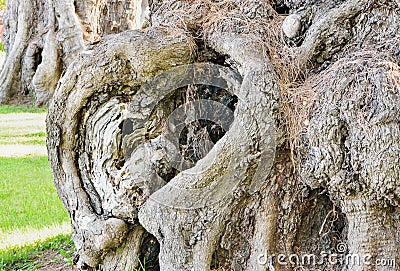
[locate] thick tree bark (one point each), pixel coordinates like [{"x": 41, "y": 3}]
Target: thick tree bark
[
  {"x": 226, "y": 137},
  {"x": 42, "y": 37}
]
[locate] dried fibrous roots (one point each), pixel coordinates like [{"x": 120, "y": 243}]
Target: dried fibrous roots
[
  {"x": 354, "y": 147},
  {"x": 351, "y": 145},
  {"x": 115, "y": 153}
]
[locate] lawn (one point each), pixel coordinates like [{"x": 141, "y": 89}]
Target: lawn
[
  {"x": 22, "y": 125},
  {"x": 27, "y": 195},
  {"x": 55, "y": 253},
  {"x": 38, "y": 138},
  {"x": 22, "y": 133},
  {"x": 30, "y": 211},
  {"x": 28, "y": 198},
  {"x": 8, "y": 109}
]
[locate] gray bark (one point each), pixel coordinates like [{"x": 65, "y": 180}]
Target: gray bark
[
  {"x": 42, "y": 37},
  {"x": 307, "y": 164}
]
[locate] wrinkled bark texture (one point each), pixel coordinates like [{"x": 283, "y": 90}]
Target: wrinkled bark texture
[
  {"x": 228, "y": 133},
  {"x": 42, "y": 37}
]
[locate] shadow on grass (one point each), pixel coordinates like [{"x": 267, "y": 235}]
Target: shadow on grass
[
  {"x": 9, "y": 109},
  {"x": 50, "y": 253}
]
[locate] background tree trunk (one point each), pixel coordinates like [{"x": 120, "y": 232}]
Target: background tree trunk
[
  {"x": 228, "y": 136},
  {"x": 42, "y": 37}
]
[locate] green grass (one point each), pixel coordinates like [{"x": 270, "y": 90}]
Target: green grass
[
  {"x": 24, "y": 258},
  {"x": 22, "y": 128},
  {"x": 142, "y": 266},
  {"x": 27, "y": 194},
  {"x": 8, "y": 109},
  {"x": 27, "y": 139},
  {"x": 29, "y": 204}
]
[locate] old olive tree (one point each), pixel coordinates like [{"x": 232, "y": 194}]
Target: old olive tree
[{"x": 219, "y": 135}]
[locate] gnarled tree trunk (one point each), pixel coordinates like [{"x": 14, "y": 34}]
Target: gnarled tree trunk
[
  {"x": 227, "y": 136},
  {"x": 42, "y": 37}
]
